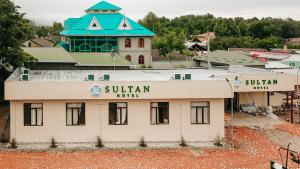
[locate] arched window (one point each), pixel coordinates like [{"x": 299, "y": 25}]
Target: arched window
[
  {"x": 127, "y": 43},
  {"x": 141, "y": 60},
  {"x": 141, "y": 43},
  {"x": 128, "y": 57}
]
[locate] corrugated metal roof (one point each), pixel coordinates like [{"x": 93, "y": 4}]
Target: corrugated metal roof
[
  {"x": 108, "y": 21},
  {"x": 230, "y": 58},
  {"x": 99, "y": 59},
  {"x": 60, "y": 55},
  {"x": 50, "y": 55}
]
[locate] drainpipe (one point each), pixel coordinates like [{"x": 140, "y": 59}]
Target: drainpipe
[
  {"x": 297, "y": 92},
  {"x": 292, "y": 107},
  {"x": 232, "y": 97},
  {"x": 180, "y": 121}
]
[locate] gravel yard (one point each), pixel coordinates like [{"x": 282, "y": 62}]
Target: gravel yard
[{"x": 254, "y": 149}]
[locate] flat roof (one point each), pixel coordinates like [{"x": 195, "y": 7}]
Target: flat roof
[{"x": 137, "y": 75}]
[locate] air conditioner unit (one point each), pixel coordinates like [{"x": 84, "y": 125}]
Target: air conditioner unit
[
  {"x": 26, "y": 71},
  {"x": 106, "y": 77},
  {"x": 177, "y": 76},
  {"x": 24, "y": 77},
  {"x": 187, "y": 77},
  {"x": 90, "y": 77}
]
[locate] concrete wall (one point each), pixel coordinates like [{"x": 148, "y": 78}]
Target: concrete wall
[
  {"x": 261, "y": 98},
  {"x": 54, "y": 123},
  {"x": 66, "y": 90},
  {"x": 135, "y": 51},
  {"x": 277, "y": 99}
]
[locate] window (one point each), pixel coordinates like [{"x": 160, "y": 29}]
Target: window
[
  {"x": 127, "y": 43},
  {"x": 75, "y": 114},
  {"x": 33, "y": 114},
  {"x": 200, "y": 113},
  {"x": 141, "y": 43},
  {"x": 141, "y": 60},
  {"x": 160, "y": 113},
  {"x": 118, "y": 114},
  {"x": 128, "y": 57}
]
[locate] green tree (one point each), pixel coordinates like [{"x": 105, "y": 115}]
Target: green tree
[
  {"x": 171, "y": 40},
  {"x": 57, "y": 28},
  {"x": 226, "y": 27},
  {"x": 42, "y": 31},
  {"x": 14, "y": 30}
]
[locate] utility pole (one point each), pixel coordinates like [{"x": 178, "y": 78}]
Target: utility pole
[{"x": 208, "y": 51}]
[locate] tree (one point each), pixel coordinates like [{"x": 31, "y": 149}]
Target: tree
[
  {"x": 57, "y": 28},
  {"x": 170, "y": 40},
  {"x": 14, "y": 30},
  {"x": 226, "y": 27}
]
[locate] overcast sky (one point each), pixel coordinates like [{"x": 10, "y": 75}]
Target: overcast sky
[{"x": 47, "y": 11}]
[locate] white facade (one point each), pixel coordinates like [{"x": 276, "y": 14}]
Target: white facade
[
  {"x": 138, "y": 88},
  {"x": 97, "y": 123}
]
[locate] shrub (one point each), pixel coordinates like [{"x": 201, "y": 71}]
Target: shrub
[
  {"x": 218, "y": 141},
  {"x": 13, "y": 144},
  {"x": 99, "y": 143},
  {"x": 53, "y": 143},
  {"x": 142, "y": 142},
  {"x": 182, "y": 143}
]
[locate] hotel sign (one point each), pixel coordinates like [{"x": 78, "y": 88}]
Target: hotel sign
[
  {"x": 261, "y": 84},
  {"x": 121, "y": 91}
]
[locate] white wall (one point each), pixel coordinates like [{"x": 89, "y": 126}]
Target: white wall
[{"x": 54, "y": 123}]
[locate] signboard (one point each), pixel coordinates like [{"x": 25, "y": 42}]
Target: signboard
[
  {"x": 261, "y": 84},
  {"x": 133, "y": 91}
]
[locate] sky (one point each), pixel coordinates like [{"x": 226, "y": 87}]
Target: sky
[{"x": 46, "y": 11}]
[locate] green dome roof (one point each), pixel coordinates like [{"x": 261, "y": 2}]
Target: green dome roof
[{"x": 103, "y": 5}]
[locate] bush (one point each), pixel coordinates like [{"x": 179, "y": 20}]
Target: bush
[
  {"x": 142, "y": 142},
  {"x": 218, "y": 141},
  {"x": 13, "y": 144},
  {"x": 53, "y": 143},
  {"x": 99, "y": 143},
  {"x": 183, "y": 143}
]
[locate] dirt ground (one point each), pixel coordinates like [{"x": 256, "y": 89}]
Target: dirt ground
[{"x": 254, "y": 149}]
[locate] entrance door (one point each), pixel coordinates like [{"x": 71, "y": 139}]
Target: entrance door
[{"x": 236, "y": 103}]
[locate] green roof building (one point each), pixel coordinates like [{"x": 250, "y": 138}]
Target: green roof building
[
  {"x": 101, "y": 38},
  {"x": 104, "y": 29}
]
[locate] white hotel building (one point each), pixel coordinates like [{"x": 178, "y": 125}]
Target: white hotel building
[{"x": 68, "y": 97}]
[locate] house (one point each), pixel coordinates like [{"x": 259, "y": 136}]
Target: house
[
  {"x": 104, "y": 29},
  {"x": 203, "y": 38},
  {"x": 38, "y": 42},
  {"x": 222, "y": 58}
]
